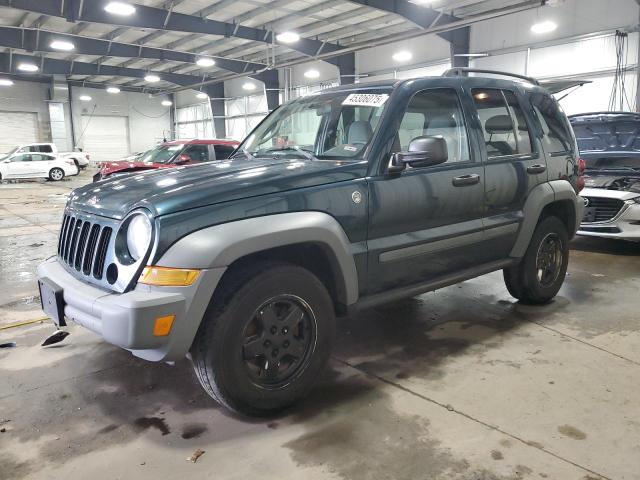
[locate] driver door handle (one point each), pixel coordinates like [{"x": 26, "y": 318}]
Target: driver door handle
[
  {"x": 466, "y": 180},
  {"x": 536, "y": 169}
]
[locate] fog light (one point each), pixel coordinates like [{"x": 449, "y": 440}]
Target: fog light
[
  {"x": 168, "y": 277},
  {"x": 162, "y": 326}
]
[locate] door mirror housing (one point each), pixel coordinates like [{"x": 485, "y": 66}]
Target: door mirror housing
[
  {"x": 182, "y": 158},
  {"x": 424, "y": 151}
]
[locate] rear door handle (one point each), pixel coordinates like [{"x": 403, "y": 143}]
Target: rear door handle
[
  {"x": 536, "y": 169},
  {"x": 465, "y": 180}
]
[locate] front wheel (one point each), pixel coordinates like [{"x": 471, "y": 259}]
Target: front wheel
[
  {"x": 265, "y": 339},
  {"x": 541, "y": 272},
  {"x": 56, "y": 174}
]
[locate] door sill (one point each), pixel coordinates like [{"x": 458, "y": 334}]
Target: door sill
[{"x": 440, "y": 282}]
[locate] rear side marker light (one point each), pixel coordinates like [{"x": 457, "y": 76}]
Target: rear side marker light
[
  {"x": 168, "y": 277},
  {"x": 162, "y": 325}
]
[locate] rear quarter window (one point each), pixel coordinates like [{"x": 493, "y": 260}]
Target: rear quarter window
[{"x": 557, "y": 136}]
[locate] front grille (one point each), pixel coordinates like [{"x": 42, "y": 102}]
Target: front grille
[
  {"x": 83, "y": 244},
  {"x": 604, "y": 209}
]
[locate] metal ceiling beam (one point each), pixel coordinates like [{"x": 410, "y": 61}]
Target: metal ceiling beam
[
  {"x": 52, "y": 66},
  {"x": 160, "y": 19},
  {"x": 366, "y": 25},
  {"x": 422, "y": 16},
  {"x": 40, "y": 40}
]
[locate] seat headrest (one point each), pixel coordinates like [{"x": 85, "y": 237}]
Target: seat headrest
[
  {"x": 443, "y": 121},
  {"x": 499, "y": 124},
  {"x": 360, "y": 132}
]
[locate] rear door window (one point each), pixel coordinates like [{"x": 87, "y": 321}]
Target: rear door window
[
  {"x": 503, "y": 123},
  {"x": 557, "y": 137},
  {"x": 45, "y": 149},
  {"x": 223, "y": 151}
]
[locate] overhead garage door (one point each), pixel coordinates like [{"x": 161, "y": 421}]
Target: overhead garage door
[
  {"x": 105, "y": 138},
  {"x": 16, "y": 128}
]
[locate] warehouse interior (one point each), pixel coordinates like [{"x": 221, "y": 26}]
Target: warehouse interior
[{"x": 464, "y": 382}]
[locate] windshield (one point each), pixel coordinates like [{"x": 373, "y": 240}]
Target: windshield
[
  {"x": 161, "y": 154},
  {"x": 337, "y": 125},
  {"x": 8, "y": 153}
]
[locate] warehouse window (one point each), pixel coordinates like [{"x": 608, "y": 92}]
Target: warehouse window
[
  {"x": 194, "y": 121},
  {"x": 243, "y": 114}
]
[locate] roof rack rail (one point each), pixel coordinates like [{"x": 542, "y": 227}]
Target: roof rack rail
[{"x": 460, "y": 71}]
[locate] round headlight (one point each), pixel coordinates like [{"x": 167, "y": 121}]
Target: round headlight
[{"x": 138, "y": 236}]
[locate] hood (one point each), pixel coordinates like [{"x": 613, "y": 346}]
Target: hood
[
  {"x": 180, "y": 188},
  {"x": 614, "y": 182},
  {"x": 607, "y": 134}
]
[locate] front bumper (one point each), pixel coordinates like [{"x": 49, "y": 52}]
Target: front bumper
[
  {"x": 625, "y": 225},
  {"x": 127, "y": 319}
]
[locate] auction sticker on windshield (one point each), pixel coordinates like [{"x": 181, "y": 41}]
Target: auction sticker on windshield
[{"x": 366, "y": 99}]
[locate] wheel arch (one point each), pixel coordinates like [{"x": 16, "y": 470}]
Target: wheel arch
[
  {"x": 556, "y": 197},
  {"x": 314, "y": 240}
]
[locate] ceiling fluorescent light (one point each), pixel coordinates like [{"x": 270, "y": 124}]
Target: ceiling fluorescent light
[
  {"x": 62, "y": 45},
  {"x": 402, "y": 56},
  {"x": 120, "y": 8},
  {"x": 288, "y": 37},
  {"x": 544, "y": 27},
  {"x": 471, "y": 55},
  {"x": 27, "y": 67},
  {"x": 205, "y": 62}
]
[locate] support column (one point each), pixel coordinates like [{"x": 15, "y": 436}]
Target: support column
[
  {"x": 216, "y": 99},
  {"x": 271, "y": 86},
  {"x": 460, "y": 40},
  {"x": 347, "y": 68}
]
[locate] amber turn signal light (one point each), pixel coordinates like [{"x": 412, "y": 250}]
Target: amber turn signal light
[
  {"x": 162, "y": 326},
  {"x": 168, "y": 277}
]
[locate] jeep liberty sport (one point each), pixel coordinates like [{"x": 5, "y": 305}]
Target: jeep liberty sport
[{"x": 343, "y": 199}]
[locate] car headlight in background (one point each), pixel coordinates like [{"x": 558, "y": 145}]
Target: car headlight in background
[
  {"x": 138, "y": 236},
  {"x": 637, "y": 199}
]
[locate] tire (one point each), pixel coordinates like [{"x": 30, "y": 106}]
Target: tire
[
  {"x": 549, "y": 250},
  {"x": 246, "y": 326},
  {"x": 56, "y": 174}
]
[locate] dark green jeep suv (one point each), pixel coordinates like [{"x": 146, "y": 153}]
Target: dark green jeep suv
[{"x": 339, "y": 200}]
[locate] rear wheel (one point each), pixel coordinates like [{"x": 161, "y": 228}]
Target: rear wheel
[
  {"x": 540, "y": 274},
  {"x": 265, "y": 339},
  {"x": 56, "y": 174}
]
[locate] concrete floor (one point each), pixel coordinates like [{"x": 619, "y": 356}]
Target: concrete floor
[{"x": 463, "y": 383}]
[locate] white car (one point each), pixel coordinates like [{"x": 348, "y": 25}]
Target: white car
[
  {"x": 36, "y": 165},
  {"x": 80, "y": 159},
  {"x": 608, "y": 143}
]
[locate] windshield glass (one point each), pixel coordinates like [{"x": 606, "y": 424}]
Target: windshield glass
[
  {"x": 8, "y": 153},
  {"x": 161, "y": 154},
  {"x": 336, "y": 125}
]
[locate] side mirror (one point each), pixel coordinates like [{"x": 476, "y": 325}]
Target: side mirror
[
  {"x": 182, "y": 158},
  {"x": 425, "y": 151}
]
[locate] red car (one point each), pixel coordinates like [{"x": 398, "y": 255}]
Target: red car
[{"x": 170, "y": 154}]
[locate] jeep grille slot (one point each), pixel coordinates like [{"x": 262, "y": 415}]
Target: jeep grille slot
[
  {"x": 101, "y": 254},
  {"x": 83, "y": 245},
  {"x": 605, "y": 208},
  {"x": 90, "y": 252}
]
